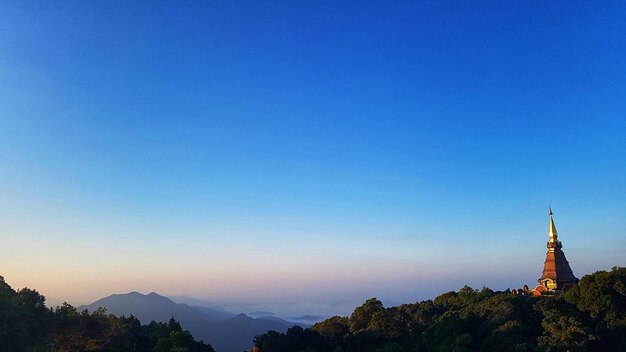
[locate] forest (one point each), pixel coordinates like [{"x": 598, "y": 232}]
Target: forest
[
  {"x": 27, "y": 325},
  {"x": 591, "y": 316}
]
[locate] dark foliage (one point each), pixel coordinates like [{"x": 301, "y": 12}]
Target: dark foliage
[
  {"x": 27, "y": 325},
  {"x": 589, "y": 317}
]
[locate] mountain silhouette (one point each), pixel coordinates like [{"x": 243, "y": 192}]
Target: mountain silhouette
[
  {"x": 225, "y": 331},
  {"x": 150, "y": 307}
]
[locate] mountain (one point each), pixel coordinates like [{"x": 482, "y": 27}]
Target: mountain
[
  {"x": 148, "y": 307},
  {"x": 215, "y": 314},
  {"x": 214, "y": 311},
  {"x": 26, "y": 325},
  {"x": 232, "y": 334}
]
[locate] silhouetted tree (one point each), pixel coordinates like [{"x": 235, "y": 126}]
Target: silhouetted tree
[
  {"x": 27, "y": 325},
  {"x": 589, "y": 317}
]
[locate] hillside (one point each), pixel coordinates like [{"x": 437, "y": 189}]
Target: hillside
[
  {"x": 231, "y": 334},
  {"x": 591, "y": 316},
  {"x": 154, "y": 307},
  {"x": 27, "y": 325}
]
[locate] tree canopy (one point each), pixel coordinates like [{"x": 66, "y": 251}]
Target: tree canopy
[
  {"x": 589, "y": 317},
  {"x": 27, "y": 325}
]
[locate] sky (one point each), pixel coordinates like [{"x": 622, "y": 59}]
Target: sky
[{"x": 305, "y": 156}]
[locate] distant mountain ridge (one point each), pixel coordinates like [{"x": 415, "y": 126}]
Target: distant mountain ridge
[
  {"x": 149, "y": 307},
  {"x": 225, "y": 331}
]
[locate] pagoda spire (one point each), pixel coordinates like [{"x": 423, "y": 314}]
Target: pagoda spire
[
  {"x": 557, "y": 274},
  {"x": 552, "y": 234}
]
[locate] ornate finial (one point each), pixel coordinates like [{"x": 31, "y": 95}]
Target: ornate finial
[{"x": 552, "y": 234}]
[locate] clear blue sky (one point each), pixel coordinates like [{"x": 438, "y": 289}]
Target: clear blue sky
[{"x": 308, "y": 151}]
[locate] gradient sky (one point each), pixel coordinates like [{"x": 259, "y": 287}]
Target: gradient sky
[{"x": 307, "y": 154}]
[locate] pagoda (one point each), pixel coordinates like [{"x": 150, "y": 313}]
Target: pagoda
[{"x": 557, "y": 275}]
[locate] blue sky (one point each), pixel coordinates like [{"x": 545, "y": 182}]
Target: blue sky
[{"x": 304, "y": 152}]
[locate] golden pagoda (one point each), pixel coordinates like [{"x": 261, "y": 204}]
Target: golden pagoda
[{"x": 557, "y": 275}]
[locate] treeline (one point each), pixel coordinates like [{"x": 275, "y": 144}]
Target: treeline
[
  {"x": 589, "y": 317},
  {"x": 27, "y": 325}
]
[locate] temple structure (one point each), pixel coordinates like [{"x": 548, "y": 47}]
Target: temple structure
[{"x": 557, "y": 275}]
